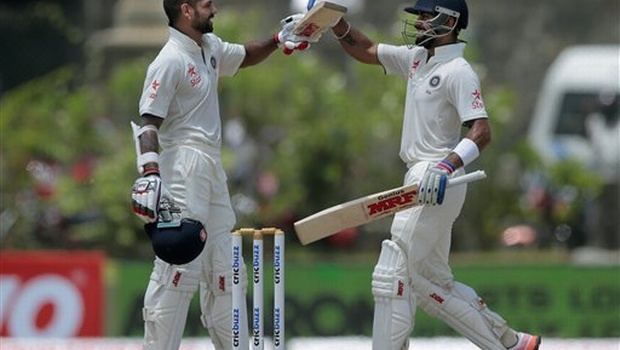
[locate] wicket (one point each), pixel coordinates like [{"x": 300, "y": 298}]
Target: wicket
[{"x": 238, "y": 295}]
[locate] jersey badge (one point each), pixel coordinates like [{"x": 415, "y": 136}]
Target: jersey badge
[{"x": 213, "y": 62}]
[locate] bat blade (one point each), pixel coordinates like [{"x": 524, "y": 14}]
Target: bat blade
[
  {"x": 354, "y": 213},
  {"x": 320, "y": 17},
  {"x": 365, "y": 209}
]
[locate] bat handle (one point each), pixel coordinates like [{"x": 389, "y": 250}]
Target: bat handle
[{"x": 473, "y": 176}]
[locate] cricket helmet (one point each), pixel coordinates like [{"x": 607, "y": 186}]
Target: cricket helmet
[
  {"x": 434, "y": 6},
  {"x": 177, "y": 242}
]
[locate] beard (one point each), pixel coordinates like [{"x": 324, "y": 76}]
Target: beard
[
  {"x": 425, "y": 41},
  {"x": 203, "y": 25}
]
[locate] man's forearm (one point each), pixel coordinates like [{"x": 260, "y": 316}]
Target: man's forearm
[
  {"x": 257, "y": 51},
  {"x": 355, "y": 43}
]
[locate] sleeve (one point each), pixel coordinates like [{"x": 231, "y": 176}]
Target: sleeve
[
  {"x": 465, "y": 94},
  {"x": 162, "y": 79},
  {"x": 396, "y": 60},
  {"x": 230, "y": 56}
]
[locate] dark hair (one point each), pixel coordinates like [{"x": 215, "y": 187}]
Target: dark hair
[{"x": 172, "y": 8}]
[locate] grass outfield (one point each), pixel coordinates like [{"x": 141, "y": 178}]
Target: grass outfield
[{"x": 348, "y": 343}]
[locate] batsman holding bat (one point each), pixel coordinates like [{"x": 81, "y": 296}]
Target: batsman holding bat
[
  {"x": 182, "y": 192},
  {"x": 443, "y": 94}
]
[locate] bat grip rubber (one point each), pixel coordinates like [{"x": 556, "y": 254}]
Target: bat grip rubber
[{"x": 473, "y": 176}]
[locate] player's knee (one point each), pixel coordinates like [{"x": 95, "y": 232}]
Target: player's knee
[
  {"x": 178, "y": 278},
  {"x": 394, "y": 302},
  {"x": 467, "y": 293},
  {"x": 216, "y": 301},
  {"x": 430, "y": 297},
  {"x": 390, "y": 278},
  {"x": 148, "y": 316}
]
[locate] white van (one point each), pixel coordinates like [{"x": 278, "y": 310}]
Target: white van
[{"x": 577, "y": 114}]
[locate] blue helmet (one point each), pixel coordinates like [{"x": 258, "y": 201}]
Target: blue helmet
[{"x": 458, "y": 7}]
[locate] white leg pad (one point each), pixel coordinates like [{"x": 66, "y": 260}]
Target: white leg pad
[
  {"x": 166, "y": 303},
  {"x": 216, "y": 302},
  {"x": 394, "y": 302},
  {"x": 464, "y": 316}
]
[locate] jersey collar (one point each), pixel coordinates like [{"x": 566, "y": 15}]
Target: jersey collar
[
  {"x": 183, "y": 40},
  {"x": 448, "y": 52}
]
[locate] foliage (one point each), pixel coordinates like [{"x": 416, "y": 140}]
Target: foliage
[
  {"x": 323, "y": 139},
  {"x": 309, "y": 133}
]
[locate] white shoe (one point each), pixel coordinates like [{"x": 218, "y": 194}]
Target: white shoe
[{"x": 527, "y": 342}]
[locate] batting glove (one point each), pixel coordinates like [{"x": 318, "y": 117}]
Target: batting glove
[
  {"x": 433, "y": 185},
  {"x": 145, "y": 197},
  {"x": 286, "y": 38}
]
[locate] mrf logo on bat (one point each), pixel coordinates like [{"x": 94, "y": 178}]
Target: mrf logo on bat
[{"x": 386, "y": 204}]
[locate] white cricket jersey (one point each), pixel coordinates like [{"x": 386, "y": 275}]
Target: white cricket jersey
[
  {"x": 442, "y": 94},
  {"x": 181, "y": 86}
]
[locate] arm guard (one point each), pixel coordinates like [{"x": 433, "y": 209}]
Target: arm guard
[{"x": 143, "y": 158}]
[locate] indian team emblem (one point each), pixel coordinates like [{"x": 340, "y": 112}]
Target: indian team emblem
[
  {"x": 213, "y": 62},
  {"x": 435, "y": 81}
]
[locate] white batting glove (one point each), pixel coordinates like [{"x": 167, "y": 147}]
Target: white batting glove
[
  {"x": 433, "y": 185},
  {"x": 286, "y": 38},
  {"x": 145, "y": 197}
]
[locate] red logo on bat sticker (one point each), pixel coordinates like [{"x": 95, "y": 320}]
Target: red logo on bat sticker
[
  {"x": 386, "y": 203},
  {"x": 309, "y": 29}
]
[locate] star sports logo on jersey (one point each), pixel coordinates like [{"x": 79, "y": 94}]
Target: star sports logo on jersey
[
  {"x": 414, "y": 66},
  {"x": 477, "y": 101},
  {"x": 194, "y": 78},
  {"x": 154, "y": 86}
]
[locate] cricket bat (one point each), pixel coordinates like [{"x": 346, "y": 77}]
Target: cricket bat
[
  {"x": 366, "y": 209},
  {"x": 319, "y": 19}
]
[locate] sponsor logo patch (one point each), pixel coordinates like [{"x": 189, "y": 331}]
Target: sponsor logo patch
[
  {"x": 389, "y": 202},
  {"x": 222, "y": 283},
  {"x": 437, "y": 298},
  {"x": 476, "y": 102},
  {"x": 194, "y": 78},
  {"x": 414, "y": 66},
  {"x": 154, "y": 86},
  {"x": 177, "y": 278}
]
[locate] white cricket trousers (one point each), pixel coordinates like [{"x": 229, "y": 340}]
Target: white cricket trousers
[
  {"x": 196, "y": 179},
  {"x": 423, "y": 236}
]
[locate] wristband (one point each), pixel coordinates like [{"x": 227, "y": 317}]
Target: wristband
[
  {"x": 151, "y": 171},
  {"x": 467, "y": 150},
  {"x": 145, "y": 158},
  {"x": 449, "y": 167}
]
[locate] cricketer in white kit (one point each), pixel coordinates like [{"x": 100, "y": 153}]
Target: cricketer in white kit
[
  {"x": 443, "y": 95},
  {"x": 178, "y": 156}
]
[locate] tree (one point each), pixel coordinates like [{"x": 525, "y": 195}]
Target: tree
[{"x": 301, "y": 133}]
